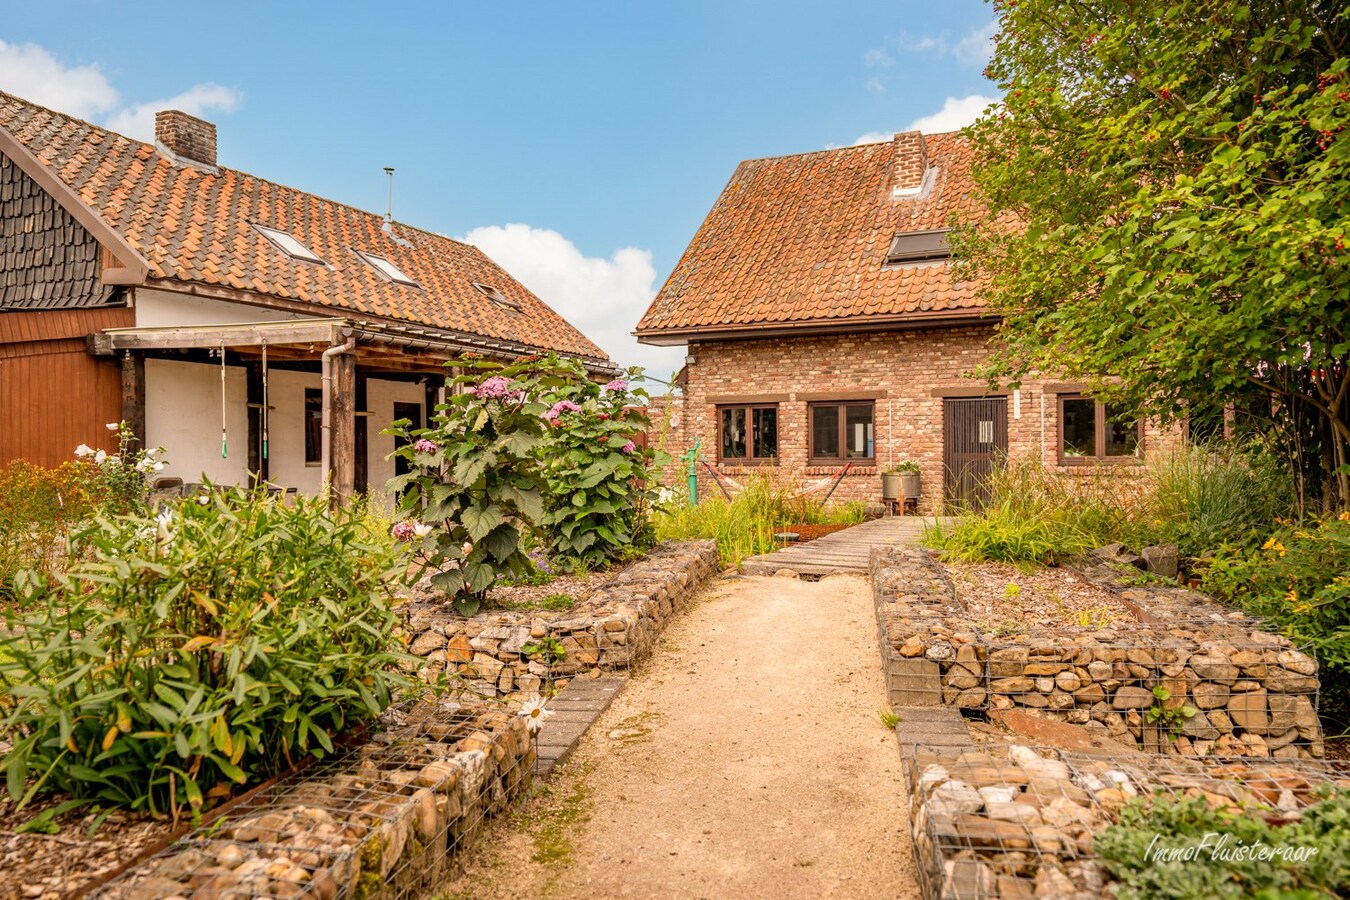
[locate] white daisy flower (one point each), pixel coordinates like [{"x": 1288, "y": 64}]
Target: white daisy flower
[
  {"x": 162, "y": 523},
  {"x": 534, "y": 713},
  {"x": 84, "y": 450},
  {"x": 101, "y": 457},
  {"x": 422, "y": 529}
]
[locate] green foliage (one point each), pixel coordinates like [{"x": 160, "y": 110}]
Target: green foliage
[
  {"x": 1165, "y": 192},
  {"x": 1169, "y": 716},
  {"x": 1299, "y": 580},
  {"x": 745, "y": 525},
  {"x": 531, "y": 450},
  {"x": 38, "y": 508},
  {"x": 211, "y": 645},
  {"x": 904, "y": 467},
  {"x": 598, "y": 482},
  {"x": 889, "y": 718},
  {"x": 1034, "y": 515},
  {"x": 1198, "y": 498},
  {"x": 545, "y": 650},
  {"x": 1204, "y": 839}
]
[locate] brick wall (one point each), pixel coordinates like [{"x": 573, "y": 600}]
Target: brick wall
[
  {"x": 902, "y": 370},
  {"x": 187, "y": 137}
]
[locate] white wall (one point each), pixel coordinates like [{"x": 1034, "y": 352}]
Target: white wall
[
  {"x": 182, "y": 415},
  {"x": 380, "y": 399},
  {"x": 286, "y": 431},
  {"x": 164, "y": 309}
]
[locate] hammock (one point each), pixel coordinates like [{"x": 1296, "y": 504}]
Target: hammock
[{"x": 730, "y": 487}]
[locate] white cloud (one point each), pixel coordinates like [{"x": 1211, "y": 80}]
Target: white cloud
[
  {"x": 956, "y": 113},
  {"x": 29, "y": 71},
  {"x": 977, "y": 47},
  {"x": 877, "y": 58},
  {"x": 138, "y": 120},
  {"x": 33, "y": 73},
  {"x": 875, "y": 86},
  {"x": 604, "y": 298},
  {"x": 872, "y": 137}
]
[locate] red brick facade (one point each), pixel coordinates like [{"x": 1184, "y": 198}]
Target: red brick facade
[{"x": 907, "y": 373}]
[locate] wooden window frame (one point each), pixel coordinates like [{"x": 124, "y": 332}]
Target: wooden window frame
[
  {"x": 1099, "y": 422},
  {"x": 748, "y": 460},
  {"x": 842, "y": 405}
]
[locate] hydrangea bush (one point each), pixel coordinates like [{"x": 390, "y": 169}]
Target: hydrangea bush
[{"x": 532, "y": 448}]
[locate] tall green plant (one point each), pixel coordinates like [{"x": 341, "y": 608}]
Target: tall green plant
[
  {"x": 475, "y": 478},
  {"x": 598, "y": 482},
  {"x": 211, "y": 645}
]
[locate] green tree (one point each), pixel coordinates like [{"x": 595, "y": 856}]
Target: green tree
[{"x": 1165, "y": 189}]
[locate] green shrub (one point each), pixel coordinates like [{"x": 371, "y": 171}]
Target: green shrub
[
  {"x": 1192, "y": 829},
  {"x": 598, "y": 484},
  {"x": 745, "y": 525},
  {"x": 216, "y": 643},
  {"x": 1037, "y": 516},
  {"x": 38, "y": 507},
  {"x": 1299, "y": 580}
]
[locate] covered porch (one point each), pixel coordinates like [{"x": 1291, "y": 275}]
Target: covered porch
[{"x": 293, "y": 404}]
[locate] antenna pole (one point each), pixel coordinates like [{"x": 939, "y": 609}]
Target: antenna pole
[{"x": 389, "y": 210}]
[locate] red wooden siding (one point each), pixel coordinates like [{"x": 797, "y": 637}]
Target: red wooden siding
[{"x": 53, "y": 394}]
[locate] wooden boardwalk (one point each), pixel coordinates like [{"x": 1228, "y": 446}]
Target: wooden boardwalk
[{"x": 843, "y": 551}]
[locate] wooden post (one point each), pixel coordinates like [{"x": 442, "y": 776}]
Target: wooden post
[
  {"x": 342, "y": 409},
  {"x": 257, "y": 466},
  {"x": 133, "y": 394},
  {"x": 362, "y": 442}
]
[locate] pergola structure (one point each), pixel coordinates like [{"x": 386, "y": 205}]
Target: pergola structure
[{"x": 345, "y": 350}]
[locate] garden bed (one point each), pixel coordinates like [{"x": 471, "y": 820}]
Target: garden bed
[
  {"x": 1005, "y": 599},
  {"x": 384, "y": 820},
  {"x": 611, "y": 626},
  {"x": 1021, "y": 822},
  {"x": 1180, "y": 675}
]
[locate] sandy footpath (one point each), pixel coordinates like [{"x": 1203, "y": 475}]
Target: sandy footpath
[{"x": 746, "y": 759}]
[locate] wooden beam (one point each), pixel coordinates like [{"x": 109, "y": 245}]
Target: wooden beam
[
  {"x": 133, "y": 394},
  {"x": 257, "y": 464},
  {"x": 361, "y": 444},
  {"x": 321, "y": 333},
  {"x": 342, "y": 433}
]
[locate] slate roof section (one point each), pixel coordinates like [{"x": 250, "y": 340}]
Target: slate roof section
[
  {"x": 801, "y": 242},
  {"x": 193, "y": 225},
  {"x": 47, "y": 259}
]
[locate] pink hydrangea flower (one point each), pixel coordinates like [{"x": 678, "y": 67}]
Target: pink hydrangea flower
[
  {"x": 496, "y": 388},
  {"x": 628, "y": 447},
  {"x": 559, "y": 408},
  {"x": 403, "y": 531},
  {"x": 425, "y": 446},
  {"x": 618, "y": 384}
]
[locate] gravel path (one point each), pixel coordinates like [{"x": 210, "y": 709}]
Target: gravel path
[{"x": 746, "y": 759}]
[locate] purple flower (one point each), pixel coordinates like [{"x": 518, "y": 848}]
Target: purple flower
[
  {"x": 618, "y": 384},
  {"x": 496, "y": 388},
  {"x": 559, "y": 408},
  {"x": 628, "y": 447},
  {"x": 403, "y": 531},
  {"x": 426, "y": 446}
]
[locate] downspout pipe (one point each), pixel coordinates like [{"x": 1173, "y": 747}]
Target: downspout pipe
[{"x": 326, "y": 363}]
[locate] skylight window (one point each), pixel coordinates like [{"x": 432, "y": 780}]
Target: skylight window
[
  {"x": 496, "y": 296},
  {"x": 286, "y": 243},
  {"x": 386, "y": 268},
  {"x": 919, "y": 247}
]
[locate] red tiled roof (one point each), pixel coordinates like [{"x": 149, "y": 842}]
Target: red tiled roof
[
  {"x": 801, "y": 241},
  {"x": 193, "y": 225}
]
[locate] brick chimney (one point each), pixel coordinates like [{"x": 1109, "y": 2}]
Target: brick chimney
[
  {"x": 911, "y": 164},
  {"x": 188, "y": 138}
]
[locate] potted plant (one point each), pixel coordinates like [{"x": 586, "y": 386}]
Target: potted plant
[
  {"x": 908, "y": 470},
  {"x": 901, "y": 480}
]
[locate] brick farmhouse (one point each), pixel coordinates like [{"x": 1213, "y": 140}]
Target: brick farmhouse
[{"x": 826, "y": 326}]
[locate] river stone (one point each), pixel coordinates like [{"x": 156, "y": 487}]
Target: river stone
[
  {"x": 1014, "y": 685},
  {"x": 1209, "y": 694},
  {"x": 426, "y": 642},
  {"x": 1090, "y": 694},
  {"x": 1199, "y": 727},
  {"x": 982, "y": 831},
  {"x": 940, "y": 651},
  {"x": 1132, "y": 697},
  {"x": 1024, "y": 813},
  {"x": 952, "y": 799},
  {"x": 1214, "y": 668},
  {"x": 1286, "y": 682},
  {"x": 973, "y": 698},
  {"x": 1068, "y": 681},
  {"x": 1297, "y": 662},
  {"x": 1099, "y": 670}
]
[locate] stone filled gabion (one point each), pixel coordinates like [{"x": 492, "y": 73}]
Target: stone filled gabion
[
  {"x": 384, "y": 820},
  {"x": 1233, "y": 689},
  {"x": 500, "y": 653},
  {"x": 1020, "y": 822}
]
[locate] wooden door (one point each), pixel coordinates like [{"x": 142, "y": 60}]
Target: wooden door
[
  {"x": 974, "y": 445},
  {"x": 413, "y": 413}
]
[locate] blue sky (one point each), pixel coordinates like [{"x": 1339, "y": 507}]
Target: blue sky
[{"x": 579, "y": 144}]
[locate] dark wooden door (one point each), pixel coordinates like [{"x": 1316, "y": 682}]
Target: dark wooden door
[{"x": 974, "y": 445}]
